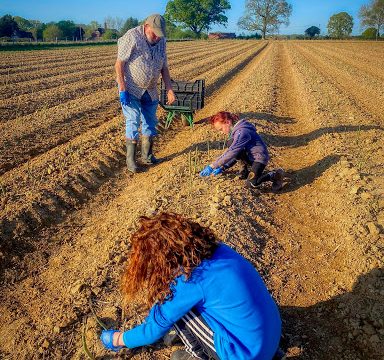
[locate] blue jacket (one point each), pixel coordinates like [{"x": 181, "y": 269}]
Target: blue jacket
[
  {"x": 232, "y": 298},
  {"x": 243, "y": 137}
]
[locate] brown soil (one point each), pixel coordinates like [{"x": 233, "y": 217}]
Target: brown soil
[{"x": 68, "y": 209}]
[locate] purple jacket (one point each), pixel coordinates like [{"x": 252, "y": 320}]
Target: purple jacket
[{"x": 244, "y": 137}]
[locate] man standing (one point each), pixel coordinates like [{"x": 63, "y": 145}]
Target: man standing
[{"x": 140, "y": 60}]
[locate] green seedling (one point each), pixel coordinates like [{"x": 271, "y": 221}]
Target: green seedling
[
  {"x": 84, "y": 341},
  {"x": 190, "y": 163},
  {"x": 96, "y": 317},
  {"x": 195, "y": 160}
]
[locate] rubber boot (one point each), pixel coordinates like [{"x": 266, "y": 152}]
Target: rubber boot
[
  {"x": 131, "y": 156},
  {"x": 182, "y": 355},
  {"x": 146, "y": 151},
  {"x": 277, "y": 179}
]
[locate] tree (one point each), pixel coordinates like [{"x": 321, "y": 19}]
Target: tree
[
  {"x": 110, "y": 34},
  {"x": 94, "y": 25},
  {"x": 372, "y": 15},
  {"x": 109, "y": 22},
  {"x": 340, "y": 25},
  {"x": 119, "y": 23},
  {"x": 68, "y": 28},
  {"x": 312, "y": 31},
  {"x": 176, "y": 32},
  {"x": 23, "y": 24},
  {"x": 90, "y": 28},
  {"x": 33, "y": 26},
  {"x": 130, "y": 23},
  {"x": 37, "y": 29},
  {"x": 197, "y": 15},
  {"x": 115, "y": 23},
  {"x": 52, "y": 32},
  {"x": 265, "y": 16},
  {"x": 8, "y": 26},
  {"x": 369, "y": 34},
  {"x": 247, "y": 37}
]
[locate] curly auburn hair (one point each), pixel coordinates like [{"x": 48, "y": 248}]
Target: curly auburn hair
[
  {"x": 223, "y": 116},
  {"x": 165, "y": 246}
]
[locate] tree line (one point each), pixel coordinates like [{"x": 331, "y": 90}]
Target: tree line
[
  {"x": 194, "y": 19},
  {"x": 66, "y": 29}
]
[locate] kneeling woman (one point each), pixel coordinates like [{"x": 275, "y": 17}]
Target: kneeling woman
[
  {"x": 246, "y": 145},
  {"x": 213, "y": 297}
]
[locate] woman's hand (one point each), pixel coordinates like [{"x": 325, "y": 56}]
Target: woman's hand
[
  {"x": 208, "y": 170},
  {"x": 112, "y": 339}
]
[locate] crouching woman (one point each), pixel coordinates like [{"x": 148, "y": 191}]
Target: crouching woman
[
  {"x": 246, "y": 146},
  {"x": 213, "y": 297}
]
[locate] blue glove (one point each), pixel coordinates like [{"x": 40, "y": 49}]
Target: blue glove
[
  {"x": 217, "y": 171},
  {"x": 124, "y": 97},
  {"x": 206, "y": 171},
  {"x": 106, "y": 338}
]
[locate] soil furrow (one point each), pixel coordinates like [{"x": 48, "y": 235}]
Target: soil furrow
[
  {"x": 318, "y": 244},
  {"x": 370, "y": 66},
  {"x": 39, "y": 171},
  {"x": 24, "y": 131},
  {"x": 353, "y": 90},
  {"x": 26, "y": 68},
  {"x": 310, "y": 232},
  {"x": 166, "y": 193},
  {"x": 23, "y": 105},
  {"x": 12, "y": 90}
]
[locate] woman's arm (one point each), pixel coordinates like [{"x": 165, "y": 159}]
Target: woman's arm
[
  {"x": 162, "y": 316},
  {"x": 240, "y": 140}
]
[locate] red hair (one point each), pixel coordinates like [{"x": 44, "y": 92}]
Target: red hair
[
  {"x": 164, "y": 247},
  {"x": 222, "y": 117}
]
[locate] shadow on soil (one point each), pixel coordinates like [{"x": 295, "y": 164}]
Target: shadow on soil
[
  {"x": 345, "y": 327},
  {"x": 305, "y": 139},
  {"x": 307, "y": 175},
  {"x": 293, "y": 179}
]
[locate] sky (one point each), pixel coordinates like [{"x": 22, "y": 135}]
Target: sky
[{"x": 305, "y": 13}]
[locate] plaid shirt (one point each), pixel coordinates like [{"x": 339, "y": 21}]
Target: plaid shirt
[{"x": 143, "y": 62}]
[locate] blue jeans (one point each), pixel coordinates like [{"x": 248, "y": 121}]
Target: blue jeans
[{"x": 143, "y": 109}]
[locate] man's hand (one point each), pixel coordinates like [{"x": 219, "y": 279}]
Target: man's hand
[
  {"x": 206, "y": 171},
  {"x": 112, "y": 339},
  {"x": 124, "y": 97},
  {"x": 171, "y": 97}
]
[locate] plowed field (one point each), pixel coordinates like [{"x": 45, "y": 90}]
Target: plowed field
[{"x": 68, "y": 206}]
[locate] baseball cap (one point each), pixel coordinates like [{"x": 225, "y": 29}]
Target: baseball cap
[{"x": 157, "y": 23}]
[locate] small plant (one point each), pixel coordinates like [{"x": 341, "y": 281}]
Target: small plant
[
  {"x": 84, "y": 341},
  {"x": 195, "y": 162}
]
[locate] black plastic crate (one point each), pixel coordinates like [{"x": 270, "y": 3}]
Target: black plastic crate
[{"x": 189, "y": 95}]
